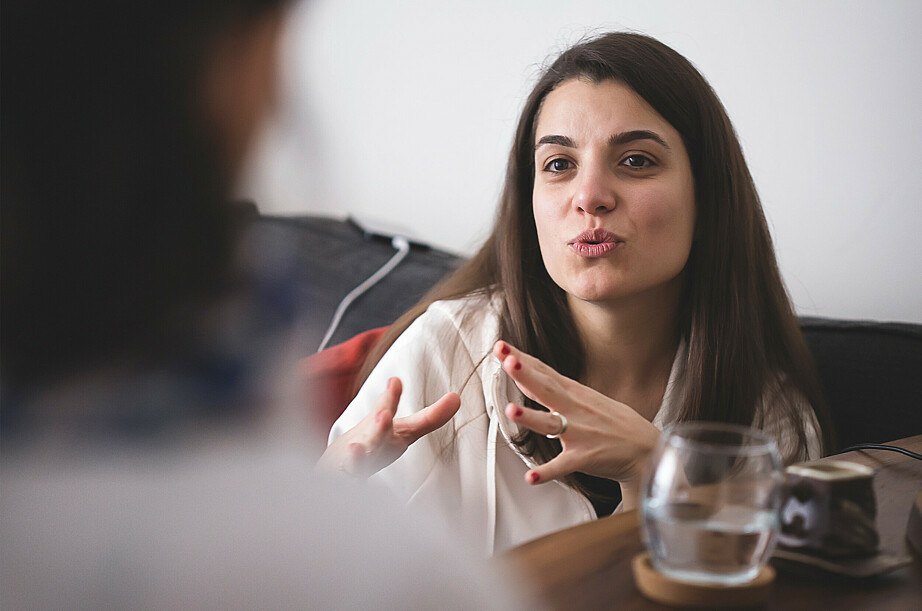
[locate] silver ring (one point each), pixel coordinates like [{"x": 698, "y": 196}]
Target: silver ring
[{"x": 563, "y": 425}]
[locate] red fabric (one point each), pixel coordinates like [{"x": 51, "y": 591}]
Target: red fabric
[{"x": 330, "y": 374}]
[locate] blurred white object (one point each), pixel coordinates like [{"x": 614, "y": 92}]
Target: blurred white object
[{"x": 228, "y": 525}]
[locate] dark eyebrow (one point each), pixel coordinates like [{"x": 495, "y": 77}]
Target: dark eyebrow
[
  {"x": 560, "y": 140},
  {"x": 615, "y": 140},
  {"x": 637, "y": 134}
]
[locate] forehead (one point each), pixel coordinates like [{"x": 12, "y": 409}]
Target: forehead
[{"x": 584, "y": 110}]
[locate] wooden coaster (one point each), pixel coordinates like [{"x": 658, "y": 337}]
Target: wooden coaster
[{"x": 659, "y": 588}]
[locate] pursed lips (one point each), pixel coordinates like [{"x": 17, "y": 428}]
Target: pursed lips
[{"x": 594, "y": 243}]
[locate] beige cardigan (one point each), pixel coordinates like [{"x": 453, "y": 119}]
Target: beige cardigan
[{"x": 469, "y": 471}]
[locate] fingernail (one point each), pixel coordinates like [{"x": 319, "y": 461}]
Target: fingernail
[
  {"x": 390, "y": 383},
  {"x": 534, "y": 478},
  {"x": 518, "y": 365},
  {"x": 505, "y": 349},
  {"x": 517, "y": 411}
]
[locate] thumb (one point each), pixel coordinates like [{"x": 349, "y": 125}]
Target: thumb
[{"x": 427, "y": 419}]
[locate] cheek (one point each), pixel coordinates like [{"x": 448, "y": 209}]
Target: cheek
[
  {"x": 547, "y": 223},
  {"x": 545, "y": 214},
  {"x": 667, "y": 216}
]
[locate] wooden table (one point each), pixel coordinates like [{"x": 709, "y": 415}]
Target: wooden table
[{"x": 589, "y": 566}]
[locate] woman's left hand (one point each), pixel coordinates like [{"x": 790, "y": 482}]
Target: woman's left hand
[{"x": 603, "y": 437}]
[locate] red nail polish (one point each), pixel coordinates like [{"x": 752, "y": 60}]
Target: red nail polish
[
  {"x": 534, "y": 478},
  {"x": 518, "y": 411},
  {"x": 518, "y": 365},
  {"x": 505, "y": 349}
]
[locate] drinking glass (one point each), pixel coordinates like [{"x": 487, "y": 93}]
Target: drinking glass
[{"x": 711, "y": 501}]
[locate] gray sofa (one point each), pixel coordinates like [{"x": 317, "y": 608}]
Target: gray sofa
[{"x": 871, "y": 371}]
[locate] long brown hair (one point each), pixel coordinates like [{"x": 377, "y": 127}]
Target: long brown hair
[{"x": 736, "y": 317}]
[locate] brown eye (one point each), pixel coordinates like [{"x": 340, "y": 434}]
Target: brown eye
[
  {"x": 637, "y": 161},
  {"x": 558, "y": 165}
]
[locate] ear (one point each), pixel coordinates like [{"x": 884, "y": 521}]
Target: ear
[{"x": 239, "y": 81}]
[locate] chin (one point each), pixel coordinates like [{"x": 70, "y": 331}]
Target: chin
[{"x": 596, "y": 293}]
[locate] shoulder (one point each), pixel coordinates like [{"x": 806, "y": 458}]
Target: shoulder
[
  {"x": 465, "y": 312},
  {"x": 472, "y": 321}
]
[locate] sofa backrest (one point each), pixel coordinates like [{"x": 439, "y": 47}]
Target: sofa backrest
[
  {"x": 872, "y": 377},
  {"x": 871, "y": 372}
]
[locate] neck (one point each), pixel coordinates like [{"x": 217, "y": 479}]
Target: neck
[{"x": 630, "y": 345}]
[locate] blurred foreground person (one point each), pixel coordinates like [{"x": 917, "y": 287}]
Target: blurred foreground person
[{"x": 148, "y": 457}]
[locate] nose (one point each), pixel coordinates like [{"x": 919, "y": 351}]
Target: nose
[{"x": 595, "y": 192}]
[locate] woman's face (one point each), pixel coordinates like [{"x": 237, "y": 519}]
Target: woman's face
[{"x": 614, "y": 199}]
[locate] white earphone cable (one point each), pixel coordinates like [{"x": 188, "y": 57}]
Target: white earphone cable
[{"x": 403, "y": 248}]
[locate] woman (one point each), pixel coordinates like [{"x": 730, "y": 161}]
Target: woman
[{"x": 629, "y": 282}]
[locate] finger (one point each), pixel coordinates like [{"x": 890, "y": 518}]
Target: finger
[
  {"x": 357, "y": 452},
  {"x": 428, "y": 419},
  {"x": 385, "y": 409},
  {"x": 535, "y": 379},
  {"x": 383, "y": 427},
  {"x": 538, "y": 421},
  {"x": 501, "y": 350},
  {"x": 562, "y": 465},
  {"x": 390, "y": 398}
]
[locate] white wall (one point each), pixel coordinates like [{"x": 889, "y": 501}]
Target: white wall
[{"x": 405, "y": 111}]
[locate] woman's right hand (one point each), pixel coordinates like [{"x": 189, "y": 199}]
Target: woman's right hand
[{"x": 379, "y": 438}]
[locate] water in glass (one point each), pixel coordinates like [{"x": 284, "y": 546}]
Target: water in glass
[
  {"x": 727, "y": 546},
  {"x": 710, "y": 503}
]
